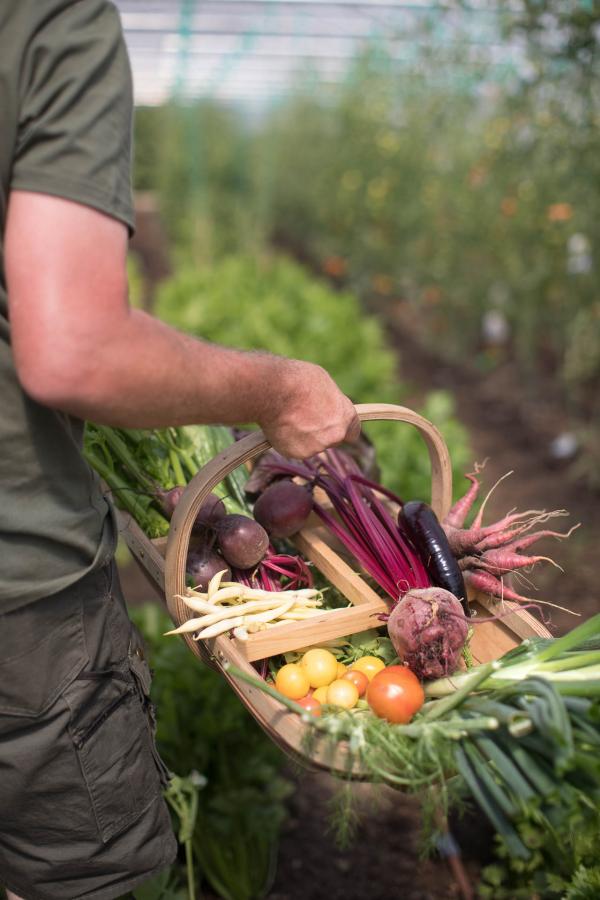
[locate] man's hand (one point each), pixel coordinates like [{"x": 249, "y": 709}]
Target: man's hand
[
  {"x": 308, "y": 412},
  {"x": 78, "y": 346}
]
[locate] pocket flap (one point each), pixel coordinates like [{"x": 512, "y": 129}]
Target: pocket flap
[{"x": 42, "y": 651}]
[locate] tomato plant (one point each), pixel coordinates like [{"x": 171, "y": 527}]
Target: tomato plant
[{"x": 395, "y": 694}]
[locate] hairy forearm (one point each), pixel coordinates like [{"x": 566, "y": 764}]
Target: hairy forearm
[
  {"x": 145, "y": 374},
  {"x": 79, "y": 348}
]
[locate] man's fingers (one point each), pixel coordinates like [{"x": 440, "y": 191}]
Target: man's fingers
[{"x": 353, "y": 432}]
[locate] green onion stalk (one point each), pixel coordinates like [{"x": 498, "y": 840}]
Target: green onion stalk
[{"x": 520, "y": 736}]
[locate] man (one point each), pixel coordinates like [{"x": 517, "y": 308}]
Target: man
[{"x": 81, "y": 811}]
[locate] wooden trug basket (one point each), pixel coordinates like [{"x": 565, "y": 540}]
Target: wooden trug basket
[{"x": 164, "y": 561}]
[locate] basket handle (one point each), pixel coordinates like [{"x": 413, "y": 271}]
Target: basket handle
[{"x": 254, "y": 444}]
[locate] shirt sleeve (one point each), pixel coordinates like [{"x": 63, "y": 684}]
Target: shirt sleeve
[{"x": 76, "y": 110}]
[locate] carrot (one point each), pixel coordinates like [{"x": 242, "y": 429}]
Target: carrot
[{"x": 457, "y": 516}]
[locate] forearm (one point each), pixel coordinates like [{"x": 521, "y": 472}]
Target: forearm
[
  {"x": 144, "y": 374},
  {"x": 79, "y": 348}
]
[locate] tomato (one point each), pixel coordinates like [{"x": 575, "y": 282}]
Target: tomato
[
  {"x": 395, "y": 694},
  {"x": 310, "y": 704},
  {"x": 292, "y": 681},
  {"x": 320, "y": 666},
  {"x": 321, "y": 694},
  {"x": 369, "y": 665},
  {"x": 359, "y": 679},
  {"x": 341, "y": 670},
  {"x": 342, "y": 692}
]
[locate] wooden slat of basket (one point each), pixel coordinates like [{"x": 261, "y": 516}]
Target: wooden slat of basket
[
  {"x": 514, "y": 617},
  {"x": 366, "y": 605},
  {"x": 489, "y": 639},
  {"x": 312, "y": 543},
  {"x": 326, "y": 626}
]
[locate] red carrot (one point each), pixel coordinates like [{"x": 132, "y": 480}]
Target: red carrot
[
  {"x": 502, "y": 561},
  {"x": 458, "y": 514}
]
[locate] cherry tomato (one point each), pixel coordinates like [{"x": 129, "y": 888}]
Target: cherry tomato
[
  {"x": 321, "y": 694},
  {"x": 320, "y": 666},
  {"x": 342, "y": 692},
  {"x": 341, "y": 670},
  {"x": 370, "y": 665},
  {"x": 310, "y": 704},
  {"x": 395, "y": 694},
  {"x": 359, "y": 679},
  {"x": 292, "y": 681}
]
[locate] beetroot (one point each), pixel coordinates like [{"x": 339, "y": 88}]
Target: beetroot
[
  {"x": 169, "y": 499},
  {"x": 202, "y": 564},
  {"x": 283, "y": 507},
  {"x": 428, "y": 629},
  {"x": 211, "y": 512},
  {"x": 242, "y": 541}
]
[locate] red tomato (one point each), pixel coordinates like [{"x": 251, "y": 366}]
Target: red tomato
[
  {"x": 358, "y": 678},
  {"x": 310, "y": 704},
  {"x": 395, "y": 694}
]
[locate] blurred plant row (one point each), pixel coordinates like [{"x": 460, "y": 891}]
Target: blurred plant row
[{"x": 467, "y": 207}]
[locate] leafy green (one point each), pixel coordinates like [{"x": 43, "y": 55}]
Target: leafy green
[{"x": 137, "y": 463}]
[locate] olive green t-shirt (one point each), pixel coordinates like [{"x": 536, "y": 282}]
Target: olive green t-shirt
[{"x": 65, "y": 129}]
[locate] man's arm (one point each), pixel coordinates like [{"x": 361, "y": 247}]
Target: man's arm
[{"x": 79, "y": 347}]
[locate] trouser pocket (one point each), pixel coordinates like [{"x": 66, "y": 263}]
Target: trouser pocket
[
  {"x": 111, "y": 735},
  {"x": 112, "y": 722},
  {"x": 142, "y": 676}
]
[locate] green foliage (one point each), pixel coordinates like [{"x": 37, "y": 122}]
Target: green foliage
[
  {"x": 454, "y": 196},
  {"x": 205, "y": 733},
  {"x": 275, "y": 305},
  {"x": 563, "y": 863},
  {"x": 196, "y": 158}
]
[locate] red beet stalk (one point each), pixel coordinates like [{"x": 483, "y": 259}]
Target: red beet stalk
[{"x": 362, "y": 522}]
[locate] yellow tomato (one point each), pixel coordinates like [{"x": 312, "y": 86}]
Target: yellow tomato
[
  {"x": 341, "y": 670},
  {"x": 321, "y": 694},
  {"x": 292, "y": 681},
  {"x": 370, "y": 665},
  {"x": 342, "y": 692},
  {"x": 320, "y": 665}
]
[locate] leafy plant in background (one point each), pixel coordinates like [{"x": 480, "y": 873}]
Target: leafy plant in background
[
  {"x": 459, "y": 194},
  {"x": 274, "y": 304},
  {"x": 207, "y": 737}
]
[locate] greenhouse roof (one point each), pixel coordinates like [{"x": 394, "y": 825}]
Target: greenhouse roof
[{"x": 252, "y": 51}]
